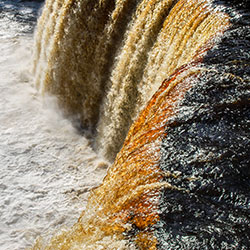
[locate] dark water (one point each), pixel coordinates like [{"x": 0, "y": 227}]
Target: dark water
[
  {"x": 208, "y": 143},
  {"x": 18, "y": 17}
]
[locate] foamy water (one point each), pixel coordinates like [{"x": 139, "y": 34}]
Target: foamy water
[{"x": 46, "y": 167}]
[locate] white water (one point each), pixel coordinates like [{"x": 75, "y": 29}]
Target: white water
[{"x": 46, "y": 167}]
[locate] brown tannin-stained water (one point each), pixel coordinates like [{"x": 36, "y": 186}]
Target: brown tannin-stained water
[
  {"x": 133, "y": 45},
  {"x": 158, "y": 87}
]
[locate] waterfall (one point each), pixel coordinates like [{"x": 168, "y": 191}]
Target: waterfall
[
  {"x": 105, "y": 59},
  {"x": 138, "y": 74}
]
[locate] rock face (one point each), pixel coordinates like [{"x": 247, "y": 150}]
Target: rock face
[{"x": 182, "y": 178}]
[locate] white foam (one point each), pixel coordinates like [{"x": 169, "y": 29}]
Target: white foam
[{"x": 46, "y": 167}]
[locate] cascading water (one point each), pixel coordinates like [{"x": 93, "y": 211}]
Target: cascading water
[
  {"x": 178, "y": 71},
  {"x": 126, "y": 49},
  {"x": 133, "y": 45}
]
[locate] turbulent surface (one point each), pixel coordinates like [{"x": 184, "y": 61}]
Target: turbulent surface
[
  {"x": 124, "y": 49},
  {"x": 181, "y": 180},
  {"x": 46, "y": 167}
]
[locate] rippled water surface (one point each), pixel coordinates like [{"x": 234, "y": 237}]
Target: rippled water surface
[{"x": 46, "y": 167}]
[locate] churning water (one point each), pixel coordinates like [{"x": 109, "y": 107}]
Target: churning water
[
  {"x": 46, "y": 167},
  {"x": 104, "y": 60}
]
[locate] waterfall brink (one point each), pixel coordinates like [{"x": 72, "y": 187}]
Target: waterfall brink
[
  {"x": 105, "y": 59},
  {"x": 178, "y": 71}
]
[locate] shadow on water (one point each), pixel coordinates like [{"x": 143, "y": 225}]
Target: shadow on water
[{"x": 22, "y": 12}]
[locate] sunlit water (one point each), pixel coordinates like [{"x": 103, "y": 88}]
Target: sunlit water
[{"x": 46, "y": 167}]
